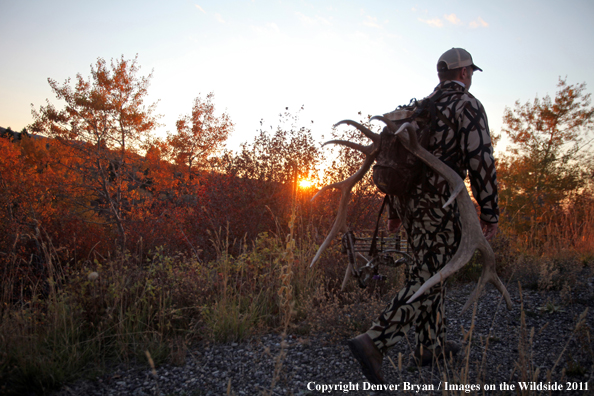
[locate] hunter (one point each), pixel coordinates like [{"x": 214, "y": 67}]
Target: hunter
[{"x": 462, "y": 141}]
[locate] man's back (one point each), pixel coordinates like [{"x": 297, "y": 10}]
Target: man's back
[{"x": 466, "y": 147}]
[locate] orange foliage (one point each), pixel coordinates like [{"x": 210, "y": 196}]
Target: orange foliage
[
  {"x": 199, "y": 135},
  {"x": 545, "y": 172},
  {"x": 104, "y": 126}
]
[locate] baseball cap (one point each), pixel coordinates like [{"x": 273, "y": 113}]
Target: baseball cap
[{"x": 456, "y": 58}]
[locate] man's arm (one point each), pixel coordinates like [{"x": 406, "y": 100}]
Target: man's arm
[{"x": 478, "y": 159}]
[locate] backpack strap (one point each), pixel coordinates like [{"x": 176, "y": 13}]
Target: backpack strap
[
  {"x": 434, "y": 113},
  {"x": 392, "y": 211},
  {"x": 373, "y": 247}
]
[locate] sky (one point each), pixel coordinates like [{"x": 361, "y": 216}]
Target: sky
[{"x": 333, "y": 58}]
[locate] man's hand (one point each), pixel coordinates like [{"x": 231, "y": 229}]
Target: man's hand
[
  {"x": 489, "y": 229},
  {"x": 394, "y": 225}
]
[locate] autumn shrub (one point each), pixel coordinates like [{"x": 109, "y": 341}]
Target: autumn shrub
[
  {"x": 556, "y": 254},
  {"x": 563, "y": 270}
]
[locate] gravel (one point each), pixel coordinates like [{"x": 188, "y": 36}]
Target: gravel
[{"x": 304, "y": 365}]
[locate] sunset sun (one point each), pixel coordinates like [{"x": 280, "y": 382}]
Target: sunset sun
[{"x": 305, "y": 183}]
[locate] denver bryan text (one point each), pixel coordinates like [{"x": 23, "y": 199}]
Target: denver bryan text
[{"x": 346, "y": 387}]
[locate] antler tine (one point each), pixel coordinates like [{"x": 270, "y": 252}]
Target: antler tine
[
  {"x": 472, "y": 235},
  {"x": 491, "y": 277},
  {"x": 386, "y": 121},
  {"x": 375, "y": 138},
  {"x": 356, "y": 146},
  {"x": 345, "y": 186}
]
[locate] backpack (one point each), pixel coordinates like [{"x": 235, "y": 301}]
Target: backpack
[{"x": 396, "y": 170}]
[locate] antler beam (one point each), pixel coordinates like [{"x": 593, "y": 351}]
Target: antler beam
[{"x": 472, "y": 235}]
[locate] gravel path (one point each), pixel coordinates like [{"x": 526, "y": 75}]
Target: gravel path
[{"x": 305, "y": 365}]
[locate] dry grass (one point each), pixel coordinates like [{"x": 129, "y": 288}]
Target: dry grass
[{"x": 68, "y": 323}]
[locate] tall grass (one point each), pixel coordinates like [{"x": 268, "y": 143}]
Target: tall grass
[
  {"x": 557, "y": 229},
  {"x": 71, "y": 322},
  {"x": 74, "y": 320}
]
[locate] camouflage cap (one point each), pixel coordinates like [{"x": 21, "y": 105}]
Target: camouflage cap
[{"x": 454, "y": 59}]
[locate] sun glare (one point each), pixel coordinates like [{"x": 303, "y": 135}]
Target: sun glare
[{"x": 305, "y": 183}]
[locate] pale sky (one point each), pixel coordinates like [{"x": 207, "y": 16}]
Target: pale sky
[{"x": 334, "y": 57}]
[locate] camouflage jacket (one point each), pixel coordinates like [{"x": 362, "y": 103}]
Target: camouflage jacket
[{"x": 467, "y": 149}]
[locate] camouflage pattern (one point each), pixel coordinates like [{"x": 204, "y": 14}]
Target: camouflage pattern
[{"x": 434, "y": 233}]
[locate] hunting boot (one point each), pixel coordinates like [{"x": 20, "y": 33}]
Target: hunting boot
[
  {"x": 370, "y": 358},
  {"x": 426, "y": 358}
]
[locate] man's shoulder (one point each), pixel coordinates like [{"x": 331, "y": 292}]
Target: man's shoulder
[
  {"x": 449, "y": 92},
  {"x": 460, "y": 99},
  {"x": 474, "y": 102},
  {"x": 457, "y": 101}
]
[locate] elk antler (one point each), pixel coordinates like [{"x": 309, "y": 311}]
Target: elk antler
[
  {"x": 347, "y": 185},
  {"x": 472, "y": 235}
]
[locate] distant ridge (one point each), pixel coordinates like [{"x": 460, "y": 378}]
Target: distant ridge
[{"x": 10, "y": 134}]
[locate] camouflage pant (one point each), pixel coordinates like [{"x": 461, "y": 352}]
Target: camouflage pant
[{"x": 433, "y": 235}]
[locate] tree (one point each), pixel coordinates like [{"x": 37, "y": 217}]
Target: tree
[
  {"x": 106, "y": 124},
  {"x": 266, "y": 171},
  {"x": 200, "y": 134},
  {"x": 279, "y": 156},
  {"x": 545, "y": 164}
]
